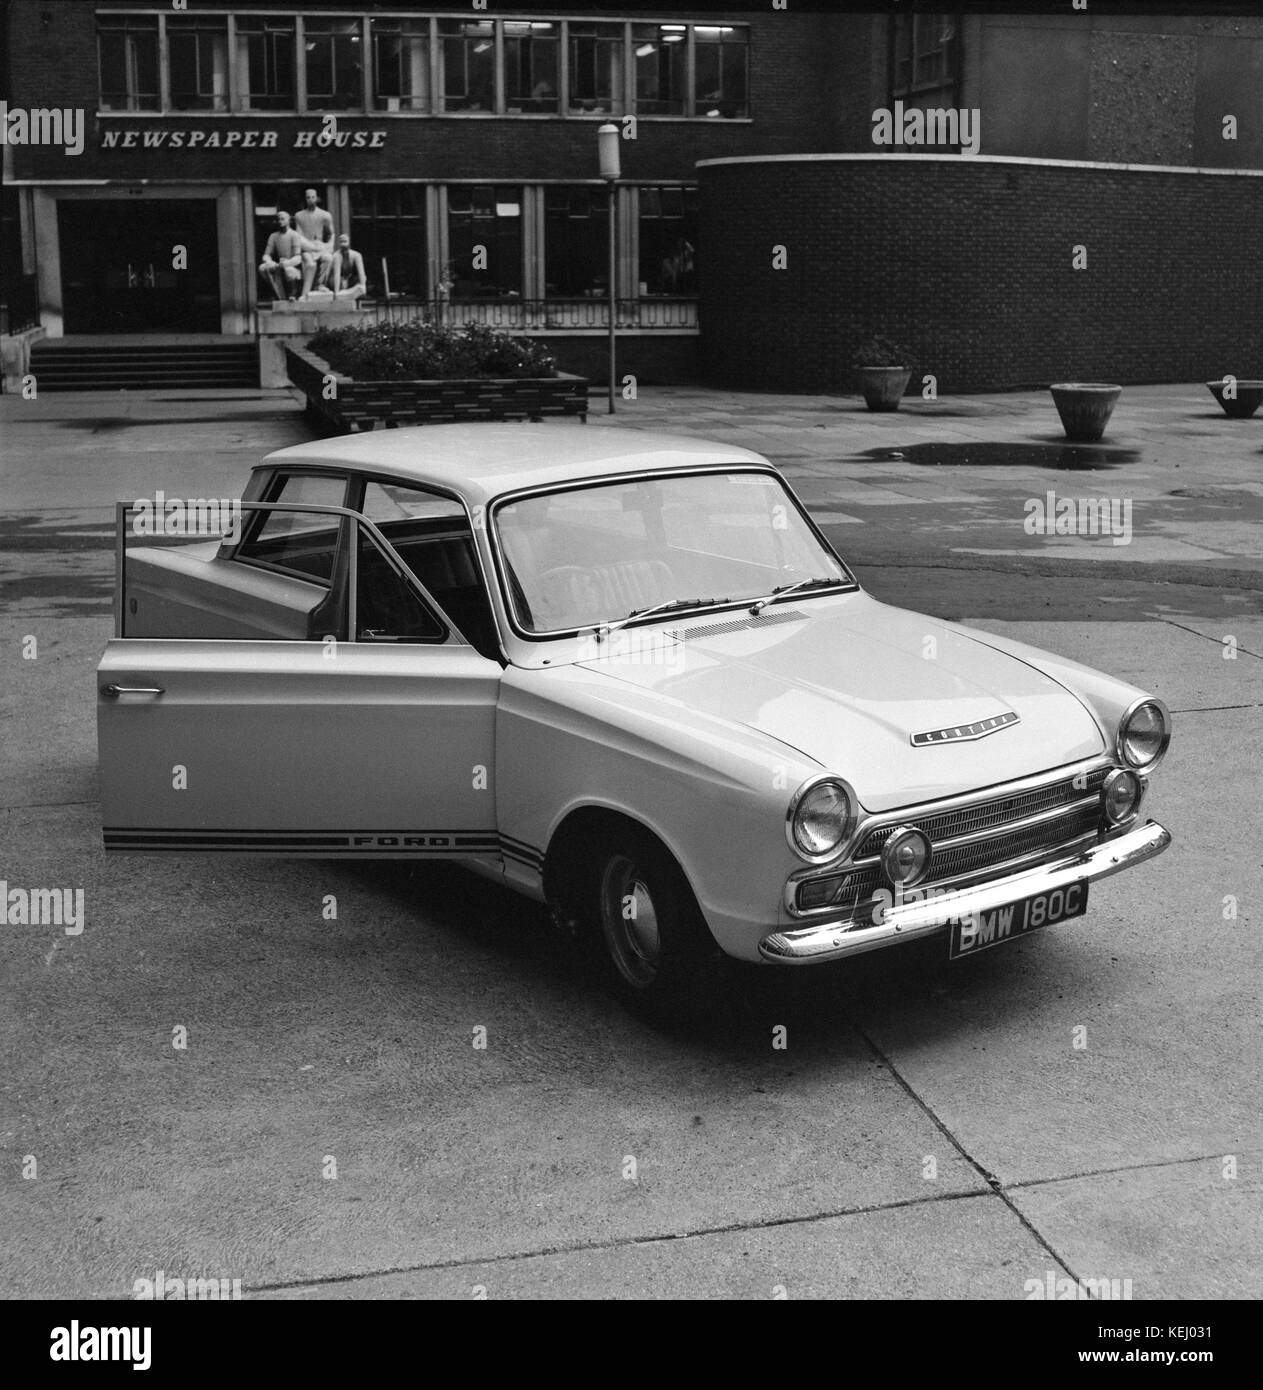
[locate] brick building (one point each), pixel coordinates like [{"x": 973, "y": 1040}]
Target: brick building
[
  {"x": 450, "y": 144},
  {"x": 458, "y": 148}
]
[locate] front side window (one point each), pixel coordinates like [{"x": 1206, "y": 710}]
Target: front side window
[
  {"x": 401, "y": 64},
  {"x": 335, "y": 64},
  {"x": 197, "y": 51},
  {"x": 127, "y": 47},
  {"x": 265, "y": 63},
  {"x": 467, "y": 48},
  {"x": 485, "y": 239},
  {"x": 388, "y": 608},
  {"x": 432, "y": 535},
  {"x": 586, "y": 556}
]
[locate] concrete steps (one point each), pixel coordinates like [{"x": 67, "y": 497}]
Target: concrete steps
[{"x": 80, "y": 366}]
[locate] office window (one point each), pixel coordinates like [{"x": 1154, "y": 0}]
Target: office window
[
  {"x": 197, "y": 52},
  {"x": 530, "y": 66},
  {"x": 401, "y": 64},
  {"x": 668, "y": 241},
  {"x": 128, "y": 52},
  {"x": 265, "y": 63},
  {"x": 484, "y": 232},
  {"x": 926, "y": 47},
  {"x": 596, "y": 68},
  {"x": 388, "y": 230},
  {"x": 335, "y": 63},
  {"x": 576, "y": 241},
  {"x": 661, "y": 56},
  {"x": 467, "y": 48},
  {"x": 719, "y": 70}
]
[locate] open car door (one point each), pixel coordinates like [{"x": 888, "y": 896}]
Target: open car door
[{"x": 368, "y": 731}]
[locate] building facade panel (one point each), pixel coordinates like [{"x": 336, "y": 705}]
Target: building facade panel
[{"x": 970, "y": 263}]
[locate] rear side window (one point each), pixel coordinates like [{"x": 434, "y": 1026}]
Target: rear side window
[{"x": 303, "y": 543}]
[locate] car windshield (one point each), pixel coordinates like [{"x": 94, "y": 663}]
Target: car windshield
[{"x": 598, "y": 554}]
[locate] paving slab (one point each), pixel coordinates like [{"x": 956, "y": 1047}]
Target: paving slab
[{"x": 1181, "y": 1231}]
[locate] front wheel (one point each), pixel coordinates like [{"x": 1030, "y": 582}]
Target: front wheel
[{"x": 654, "y": 942}]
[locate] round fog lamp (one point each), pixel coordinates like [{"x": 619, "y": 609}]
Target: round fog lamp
[
  {"x": 1120, "y": 795},
  {"x": 906, "y": 856}
]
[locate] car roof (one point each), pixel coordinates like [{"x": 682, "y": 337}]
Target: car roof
[{"x": 483, "y": 461}]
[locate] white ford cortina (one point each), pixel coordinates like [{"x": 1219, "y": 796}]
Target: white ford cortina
[{"x": 623, "y": 673}]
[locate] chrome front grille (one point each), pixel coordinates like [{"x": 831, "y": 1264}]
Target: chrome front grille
[
  {"x": 981, "y": 840},
  {"x": 1000, "y": 849},
  {"x": 987, "y": 815}
]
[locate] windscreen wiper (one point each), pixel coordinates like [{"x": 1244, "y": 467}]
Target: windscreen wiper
[
  {"x": 783, "y": 590},
  {"x": 666, "y": 606}
]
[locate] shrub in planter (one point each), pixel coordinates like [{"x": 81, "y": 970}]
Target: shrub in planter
[
  {"x": 425, "y": 351},
  {"x": 883, "y": 368}
]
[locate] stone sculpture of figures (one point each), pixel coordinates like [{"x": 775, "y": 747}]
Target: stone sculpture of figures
[
  {"x": 349, "y": 279},
  {"x": 283, "y": 259},
  {"x": 315, "y": 226}
]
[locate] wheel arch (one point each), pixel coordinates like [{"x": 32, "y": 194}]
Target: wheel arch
[{"x": 570, "y": 848}]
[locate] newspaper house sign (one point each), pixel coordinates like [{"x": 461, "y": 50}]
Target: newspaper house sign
[{"x": 327, "y": 137}]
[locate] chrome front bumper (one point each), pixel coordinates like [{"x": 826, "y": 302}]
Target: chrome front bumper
[{"x": 832, "y": 940}]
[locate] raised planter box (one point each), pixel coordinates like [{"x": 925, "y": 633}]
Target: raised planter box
[{"x": 368, "y": 405}]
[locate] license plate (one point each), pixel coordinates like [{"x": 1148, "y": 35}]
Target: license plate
[{"x": 999, "y": 924}]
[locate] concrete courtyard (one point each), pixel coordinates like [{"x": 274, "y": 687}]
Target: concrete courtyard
[{"x": 1084, "y": 1101}]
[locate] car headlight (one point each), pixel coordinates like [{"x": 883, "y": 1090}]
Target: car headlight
[
  {"x": 820, "y": 819},
  {"x": 1120, "y": 795},
  {"x": 1143, "y": 733}
]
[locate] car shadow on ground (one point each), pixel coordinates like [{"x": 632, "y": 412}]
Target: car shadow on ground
[{"x": 743, "y": 1002}]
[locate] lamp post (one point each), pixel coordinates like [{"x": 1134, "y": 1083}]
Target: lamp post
[{"x": 607, "y": 138}]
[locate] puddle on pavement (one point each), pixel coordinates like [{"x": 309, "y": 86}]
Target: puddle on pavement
[{"x": 1065, "y": 458}]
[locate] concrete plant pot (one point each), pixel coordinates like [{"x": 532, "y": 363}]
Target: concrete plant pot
[
  {"x": 883, "y": 387},
  {"x": 1249, "y": 396},
  {"x": 1085, "y": 408}
]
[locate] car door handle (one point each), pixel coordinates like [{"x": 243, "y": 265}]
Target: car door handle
[{"x": 114, "y": 691}]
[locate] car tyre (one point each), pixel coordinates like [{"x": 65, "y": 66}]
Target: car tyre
[{"x": 645, "y": 927}]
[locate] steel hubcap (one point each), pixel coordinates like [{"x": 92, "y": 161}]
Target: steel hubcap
[{"x": 629, "y": 922}]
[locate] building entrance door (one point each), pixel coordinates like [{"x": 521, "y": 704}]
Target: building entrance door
[{"x": 123, "y": 270}]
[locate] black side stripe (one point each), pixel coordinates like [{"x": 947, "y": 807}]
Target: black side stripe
[{"x": 439, "y": 843}]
